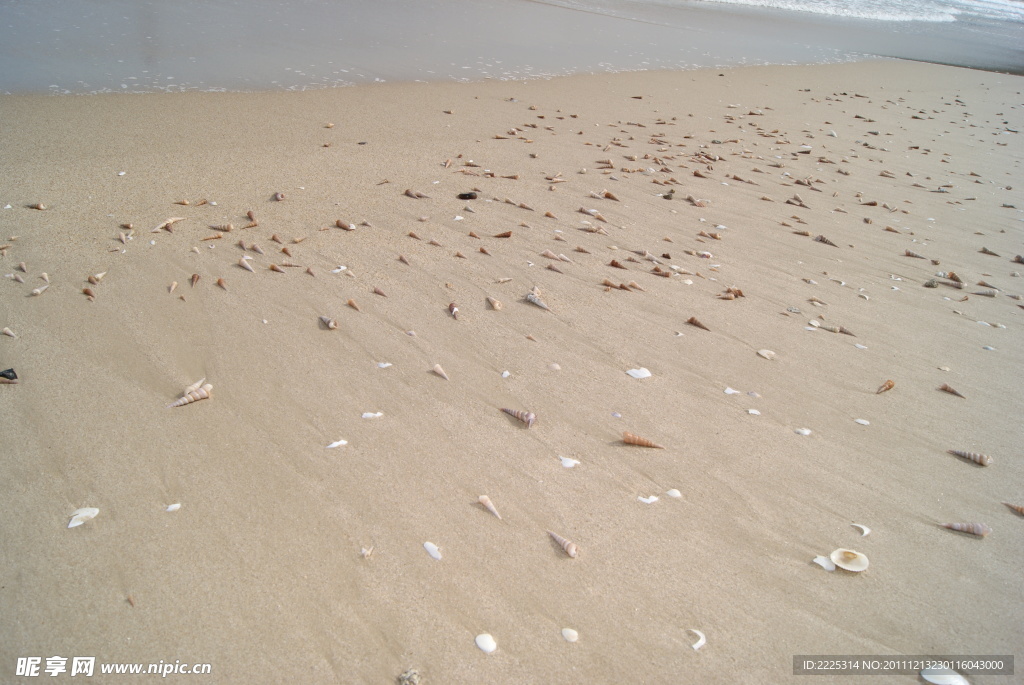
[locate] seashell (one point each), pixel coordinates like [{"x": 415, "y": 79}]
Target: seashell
[
  {"x": 615, "y": 263},
  {"x": 674, "y": 493},
  {"x": 46, "y": 277},
  {"x": 275, "y": 267},
  {"x": 863, "y": 422},
  {"x": 226, "y": 228},
  {"x": 173, "y": 507},
  {"x": 172, "y": 286},
  {"x": 943, "y": 676},
  {"x": 982, "y": 459},
  {"x": 414, "y": 194},
  {"x": 570, "y": 635},
  {"x": 701, "y": 640},
  {"x": 40, "y": 290},
  {"x": 336, "y": 443},
  {"x": 945, "y": 388},
  {"x": 220, "y": 282},
  {"x": 825, "y": 563},
  {"x": 633, "y": 439},
  {"x": 952, "y": 275},
  {"x": 535, "y": 300},
  {"x": 8, "y": 332},
  {"x": 568, "y": 462},
  {"x": 803, "y": 431},
  {"x": 767, "y": 354},
  {"x": 378, "y": 291},
  {"x": 569, "y": 547},
  {"x": 453, "y": 310},
  {"x": 549, "y": 254},
  {"x": 648, "y": 500},
  {"x": 639, "y": 373},
  {"x": 986, "y": 293},
  {"x": 38, "y": 205},
  {"x": 495, "y": 304},
  {"x": 195, "y": 386},
  {"x": 244, "y": 263},
  {"x": 823, "y": 239},
  {"x": 440, "y": 372},
  {"x": 8, "y": 377},
  {"x": 80, "y": 516},
  {"x": 909, "y": 253},
  {"x": 330, "y": 323},
  {"x": 352, "y": 303},
  {"x": 488, "y": 505},
  {"x": 432, "y": 550},
  {"x": 1015, "y": 507},
  {"x": 694, "y": 322},
  {"x": 278, "y": 197},
  {"x": 864, "y": 530},
  {"x": 506, "y": 234},
  {"x": 849, "y": 560},
  {"x": 979, "y": 529},
  {"x": 985, "y": 250},
  {"x": 96, "y": 278},
  {"x": 888, "y": 385},
  {"x": 526, "y": 417},
  {"x": 483, "y": 250},
  {"x": 486, "y": 643},
  {"x": 402, "y": 259},
  {"x": 194, "y": 396}
]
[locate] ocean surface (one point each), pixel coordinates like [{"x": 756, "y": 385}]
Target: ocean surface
[{"x": 97, "y": 46}]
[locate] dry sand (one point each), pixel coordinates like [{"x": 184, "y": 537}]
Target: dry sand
[{"x": 260, "y": 572}]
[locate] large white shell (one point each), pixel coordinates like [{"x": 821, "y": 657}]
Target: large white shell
[
  {"x": 639, "y": 373},
  {"x": 943, "y": 676},
  {"x": 825, "y": 563},
  {"x": 849, "y": 560},
  {"x": 432, "y": 550},
  {"x": 570, "y": 635},
  {"x": 80, "y": 516},
  {"x": 486, "y": 643},
  {"x": 701, "y": 640}
]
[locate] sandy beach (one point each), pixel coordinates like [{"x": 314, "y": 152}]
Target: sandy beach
[{"x": 777, "y": 203}]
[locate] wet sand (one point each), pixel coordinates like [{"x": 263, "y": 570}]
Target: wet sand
[{"x": 260, "y": 572}]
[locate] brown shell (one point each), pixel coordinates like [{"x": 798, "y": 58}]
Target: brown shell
[
  {"x": 945, "y": 388},
  {"x": 632, "y": 439},
  {"x": 694, "y": 322},
  {"x": 275, "y": 267},
  {"x": 1015, "y": 507},
  {"x": 195, "y": 279},
  {"x": 193, "y": 396},
  {"x": 888, "y": 385},
  {"x": 567, "y": 545},
  {"x": 823, "y": 239},
  {"x": 526, "y": 417},
  {"x": 982, "y": 459},
  {"x": 352, "y": 303},
  {"x": 909, "y": 253},
  {"x": 979, "y": 529}
]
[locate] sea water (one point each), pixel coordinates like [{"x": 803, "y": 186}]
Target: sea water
[{"x": 134, "y": 46}]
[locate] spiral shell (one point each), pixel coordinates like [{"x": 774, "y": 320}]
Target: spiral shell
[
  {"x": 909, "y": 253},
  {"x": 440, "y": 372},
  {"x": 193, "y": 396},
  {"x": 526, "y": 417},
  {"x": 888, "y": 385},
  {"x": 486, "y": 502},
  {"x": 330, "y": 323},
  {"x": 823, "y": 239},
  {"x": 979, "y": 529},
  {"x": 568, "y": 546},
  {"x": 536, "y": 301},
  {"x": 495, "y": 304},
  {"x": 694, "y": 322},
  {"x": 244, "y": 263},
  {"x": 195, "y": 386},
  {"x": 1015, "y": 507},
  {"x": 632, "y": 439},
  {"x": 946, "y": 388},
  {"x": 982, "y": 459}
]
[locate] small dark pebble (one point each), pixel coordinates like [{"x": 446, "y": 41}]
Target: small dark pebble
[
  {"x": 467, "y": 196},
  {"x": 9, "y": 375}
]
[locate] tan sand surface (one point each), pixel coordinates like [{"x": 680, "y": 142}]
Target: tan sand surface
[{"x": 260, "y": 572}]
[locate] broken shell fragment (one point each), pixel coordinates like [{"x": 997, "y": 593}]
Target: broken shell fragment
[
  {"x": 80, "y": 516},
  {"x": 825, "y": 563},
  {"x": 864, "y": 530},
  {"x": 701, "y": 640},
  {"x": 849, "y": 560},
  {"x": 495, "y": 304},
  {"x": 978, "y": 529}
]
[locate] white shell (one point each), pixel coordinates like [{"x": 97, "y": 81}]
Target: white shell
[
  {"x": 337, "y": 443},
  {"x": 943, "y": 676},
  {"x": 432, "y": 550},
  {"x": 825, "y": 563},
  {"x": 864, "y": 530},
  {"x": 383, "y": 365},
  {"x": 701, "y": 640},
  {"x": 803, "y": 431},
  {"x": 568, "y": 462},
  {"x": 674, "y": 493},
  {"x": 80, "y": 516},
  {"x": 639, "y": 373},
  {"x": 570, "y": 635},
  {"x": 173, "y": 507},
  {"x": 648, "y": 500},
  {"x": 486, "y": 643},
  {"x": 860, "y": 347},
  {"x": 753, "y": 412},
  {"x": 767, "y": 354},
  {"x": 730, "y": 391},
  {"x": 505, "y": 374},
  {"x": 849, "y": 560},
  {"x": 372, "y": 415},
  {"x": 863, "y": 422}
]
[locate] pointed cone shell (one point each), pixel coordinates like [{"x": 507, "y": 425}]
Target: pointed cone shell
[
  {"x": 534, "y": 300},
  {"x": 631, "y": 439},
  {"x": 982, "y": 459},
  {"x": 193, "y": 396},
  {"x": 495, "y": 304},
  {"x": 440, "y": 372},
  {"x": 979, "y": 529},
  {"x": 951, "y": 391},
  {"x": 694, "y": 322},
  {"x": 352, "y": 303},
  {"x": 330, "y": 323},
  {"x": 1015, "y": 507},
  {"x": 195, "y": 386},
  {"x": 244, "y": 263},
  {"x": 849, "y": 560},
  {"x": 525, "y": 416},
  {"x": 888, "y": 385},
  {"x": 569, "y": 547},
  {"x": 488, "y": 505}
]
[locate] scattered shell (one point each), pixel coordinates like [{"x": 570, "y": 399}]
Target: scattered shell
[
  {"x": 943, "y": 676},
  {"x": 803, "y": 431},
  {"x": 8, "y": 332},
  {"x": 888, "y": 385},
  {"x": 80, "y": 516},
  {"x": 979, "y": 529},
  {"x": 951, "y": 391},
  {"x": 568, "y": 462},
  {"x": 849, "y": 560},
  {"x": 244, "y": 263},
  {"x": 330, "y": 323},
  {"x": 825, "y": 563},
  {"x": 863, "y": 422},
  {"x": 982, "y": 459},
  {"x": 1015, "y": 507},
  {"x": 694, "y": 322},
  {"x": 639, "y": 373},
  {"x": 648, "y": 500},
  {"x": 535, "y": 300},
  {"x": 372, "y": 414},
  {"x": 488, "y": 505},
  {"x": 195, "y": 386},
  {"x": 201, "y": 393},
  {"x": 674, "y": 493},
  {"x": 440, "y": 372},
  {"x": 40, "y": 290},
  {"x": 173, "y": 507},
  {"x": 453, "y": 310},
  {"x": 701, "y": 640},
  {"x": 432, "y": 550},
  {"x": 570, "y": 635},
  {"x": 632, "y": 439},
  {"x": 767, "y": 354},
  {"x": 495, "y": 304},
  {"x": 753, "y": 412},
  {"x": 910, "y": 253},
  {"x": 864, "y": 530},
  {"x": 336, "y": 443},
  {"x": 525, "y": 416},
  {"x": 486, "y": 643},
  {"x": 569, "y": 547}
]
